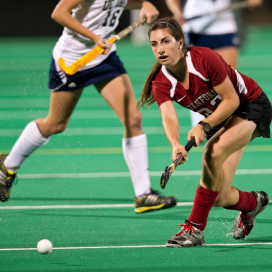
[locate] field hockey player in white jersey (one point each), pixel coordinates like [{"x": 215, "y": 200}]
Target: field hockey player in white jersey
[
  {"x": 87, "y": 24},
  {"x": 236, "y": 112},
  {"x": 218, "y": 31}
]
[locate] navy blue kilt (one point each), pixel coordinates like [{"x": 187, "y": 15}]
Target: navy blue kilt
[
  {"x": 212, "y": 41},
  {"x": 111, "y": 67}
]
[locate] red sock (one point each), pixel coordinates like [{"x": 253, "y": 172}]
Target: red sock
[
  {"x": 246, "y": 203},
  {"x": 203, "y": 202}
]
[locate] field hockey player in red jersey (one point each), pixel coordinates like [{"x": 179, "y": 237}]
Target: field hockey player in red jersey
[
  {"x": 88, "y": 23},
  {"x": 236, "y": 111}
]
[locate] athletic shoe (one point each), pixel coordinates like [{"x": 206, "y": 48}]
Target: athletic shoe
[
  {"x": 244, "y": 222},
  {"x": 188, "y": 236},
  {"x": 6, "y": 179},
  {"x": 153, "y": 201}
]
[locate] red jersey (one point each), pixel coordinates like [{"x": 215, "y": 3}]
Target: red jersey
[{"x": 207, "y": 70}]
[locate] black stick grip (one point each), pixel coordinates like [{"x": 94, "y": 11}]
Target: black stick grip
[
  {"x": 188, "y": 147},
  {"x": 168, "y": 171}
]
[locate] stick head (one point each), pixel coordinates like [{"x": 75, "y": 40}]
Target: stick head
[
  {"x": 66, "y": 69},
  {"x": 168, "y": 171},
  {"x": 165, "y": 177}
]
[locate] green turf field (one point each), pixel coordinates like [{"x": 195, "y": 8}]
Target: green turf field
[{"x": 76, "y": 190}]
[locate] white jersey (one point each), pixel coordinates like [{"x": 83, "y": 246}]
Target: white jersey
[
  {"x": 221, "y": 23},
  {"x": 99, "y": 16}
]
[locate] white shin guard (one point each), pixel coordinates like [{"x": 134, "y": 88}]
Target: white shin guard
[
  {"x": 30, "y": 139},
  {"x": 136, "y": 157}
]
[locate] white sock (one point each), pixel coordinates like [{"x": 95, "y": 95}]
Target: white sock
[
  {"x": 135, "y": 154},
  {"x": 30, "y": 139}
]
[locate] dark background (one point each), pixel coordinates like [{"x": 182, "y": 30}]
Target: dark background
[{"x": 33, "y": 17}]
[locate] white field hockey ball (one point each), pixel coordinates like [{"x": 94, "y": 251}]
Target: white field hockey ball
[{"x": 45, "y": 246}]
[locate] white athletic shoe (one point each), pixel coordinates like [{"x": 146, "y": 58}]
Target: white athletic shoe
[
  {"x": 188, "y": 236},
  {"x": 244, "y": 222}
]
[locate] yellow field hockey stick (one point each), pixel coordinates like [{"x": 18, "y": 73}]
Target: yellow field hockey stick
[{"x": 98, "y": 50}]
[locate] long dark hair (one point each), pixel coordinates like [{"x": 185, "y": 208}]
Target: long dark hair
[{"x": 176, "y": 31}]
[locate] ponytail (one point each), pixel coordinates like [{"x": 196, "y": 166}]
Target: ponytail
[{"x": 146, "y": 97}]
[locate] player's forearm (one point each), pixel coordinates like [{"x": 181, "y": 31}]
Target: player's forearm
[
  {"x": 175, "y": 7},
  {"x": 148, "y": 12},
  {"x": 71, "y": 23},
  {"x": 225, "y": 109},
  {"x": 171, "y": 130},
  {"x": 134, "y": 4},
  {"x": 254, "y": 3},
  {"x": 230, "y": 102},
  {"x": 62, "y": 15},
  {"x": 170, "y": 122}
]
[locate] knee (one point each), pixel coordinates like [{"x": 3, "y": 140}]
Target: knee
[
  {"x": 212, "y": 155},
  {"x": 58, "y": 128},
  {"x": 50, "y": 128},
  {"x": 135, "y": 120}
]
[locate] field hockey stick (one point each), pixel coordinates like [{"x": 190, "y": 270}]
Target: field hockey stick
[
  {"x": 98, "y": 50},
  {"x": 168, "y": 171},
  {"x": 233, "y": 6}
]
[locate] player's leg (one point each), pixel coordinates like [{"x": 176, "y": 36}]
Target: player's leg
[
  {"x": 250, "y": 204},
  {"x": 62, "y": 104},
  {"x": 228, "y": 195},
  {"x": 230, "y": 140},
  {"x": 229, "y": 54},
  {"x": 118, "y": 93},
  {"x": 35, "y": 134},
  {"x": 235, "y": 134}
]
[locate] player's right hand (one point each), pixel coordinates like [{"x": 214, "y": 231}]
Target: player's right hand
[
  {"x": 104, "y": 44},
  {"x": 148, "y": 12}
]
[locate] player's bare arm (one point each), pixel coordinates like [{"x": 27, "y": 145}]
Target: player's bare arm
[
  {"x": 175, "y": 7},
  {"x": 254, "y": 3},
  {"x": 171, "y": 128},
  {"x": 230, "y": 102},
  {"x": 148, "y": 11},
  {"x": 62, "y": 15}
]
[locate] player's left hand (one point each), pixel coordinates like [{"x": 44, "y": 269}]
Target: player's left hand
[
  {"x": 148, "y": 12},
  {"x": 199, "y": 134}
]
